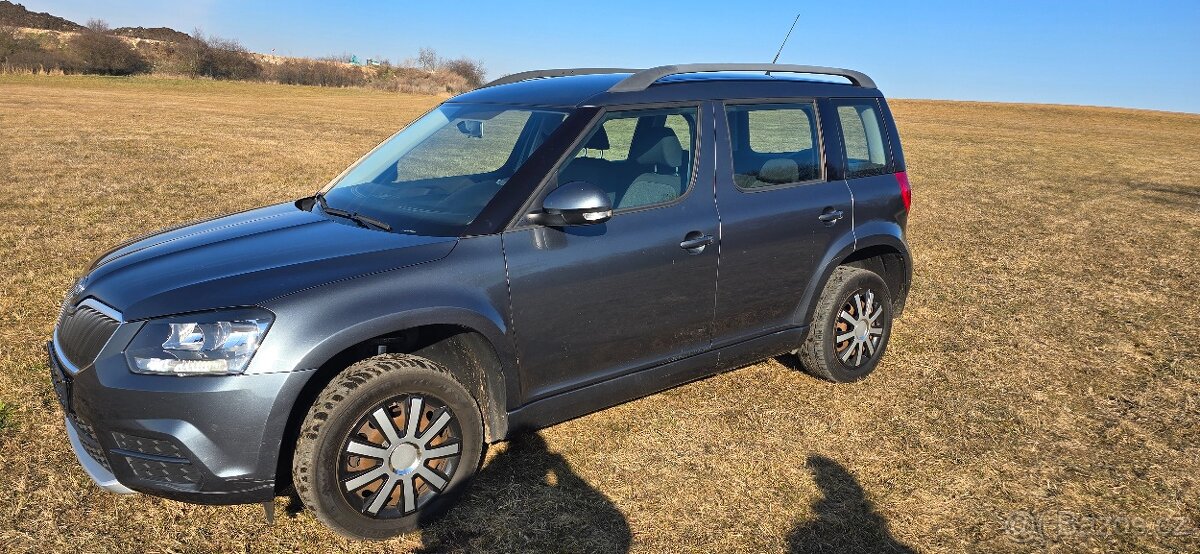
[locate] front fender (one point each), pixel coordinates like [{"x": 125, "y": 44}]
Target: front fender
[
  {"x": 465, "y": 289},
  {"x": 486, "y": 325}
]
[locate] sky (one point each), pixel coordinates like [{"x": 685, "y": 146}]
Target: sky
[{"x": 1143, "y": 54}]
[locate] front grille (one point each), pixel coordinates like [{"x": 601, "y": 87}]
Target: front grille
[
  {"x": 145, "y": 445},
  {"x": 176, "y": 473},
  {"x": 97, "y": 454},
  {"x": 87, "y": 434},
  {"x": 82, "y": 332},
  {"x": 87, "y": 437},
  {"x": 163, "y": 460}
]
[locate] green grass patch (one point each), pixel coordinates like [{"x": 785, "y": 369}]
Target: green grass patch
[{"x": 7, "y": 420}]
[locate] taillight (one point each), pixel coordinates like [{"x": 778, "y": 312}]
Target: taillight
[{"x": 905, "y": 192}]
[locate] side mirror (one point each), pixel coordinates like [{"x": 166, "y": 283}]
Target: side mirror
[{"x": 575, "y": 203}]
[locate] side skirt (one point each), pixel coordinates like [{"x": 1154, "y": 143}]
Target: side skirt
[{"x": 598, "y": 396}]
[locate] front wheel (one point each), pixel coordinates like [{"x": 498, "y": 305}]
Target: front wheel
[
  {"x": 850, "y": 327},
  {"x": 388, "y": 445}
]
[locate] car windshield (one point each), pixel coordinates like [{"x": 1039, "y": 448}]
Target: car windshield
[{"x": 435, "y": 176}]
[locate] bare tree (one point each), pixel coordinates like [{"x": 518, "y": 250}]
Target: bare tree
[
  {"x": 471, "y": 70},
  {"x": 215, "y": 57},
  {"x": 98, "y": 26},
  {"x": 427, "y": 59}
]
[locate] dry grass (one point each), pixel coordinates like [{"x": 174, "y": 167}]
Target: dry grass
[{"x": 1047, "y": 364}]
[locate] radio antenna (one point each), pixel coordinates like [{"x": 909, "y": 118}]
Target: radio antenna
[{"x": 785, "y": 39}]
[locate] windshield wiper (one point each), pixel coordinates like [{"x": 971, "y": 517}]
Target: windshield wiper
[{"x": 363, "y": 220}]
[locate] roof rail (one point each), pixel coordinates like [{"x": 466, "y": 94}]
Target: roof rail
[
  {"x": 543, "y": 73},
  {"x": 643, "y": 79}
]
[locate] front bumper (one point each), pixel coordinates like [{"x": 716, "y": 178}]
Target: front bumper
[
  {"x": 209, "y": 440},
  {"x": 100, "y": 474}
]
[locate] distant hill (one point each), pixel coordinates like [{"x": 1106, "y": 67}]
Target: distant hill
[
  {"x": 33, "y": 42},
  {"x": 15, "y": 15},
  {"x": 165, "y": 34}
]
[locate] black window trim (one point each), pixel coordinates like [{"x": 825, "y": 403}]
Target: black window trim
[
  {"x": 780, "y": 102},
  {"x": 520, "y": 221}
]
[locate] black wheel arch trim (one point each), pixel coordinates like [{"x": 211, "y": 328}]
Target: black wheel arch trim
[
  {"x": 843, "y": 249},
  {"x": 500, "y": 383}
]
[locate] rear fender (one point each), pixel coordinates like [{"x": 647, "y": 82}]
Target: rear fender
[{"x": 876, "y": 233}]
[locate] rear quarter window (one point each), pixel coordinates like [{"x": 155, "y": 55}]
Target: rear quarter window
[{"x": 863, "y": 138}]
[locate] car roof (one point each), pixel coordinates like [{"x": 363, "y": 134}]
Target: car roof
[{"x": 593, "y": 89}]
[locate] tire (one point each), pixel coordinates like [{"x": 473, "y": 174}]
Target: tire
[
  {"x": 344, "y": 456},
  {"x": 865, "y": 338}
]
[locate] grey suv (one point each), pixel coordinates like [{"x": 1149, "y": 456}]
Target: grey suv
[{"x": 549, "y": 245}]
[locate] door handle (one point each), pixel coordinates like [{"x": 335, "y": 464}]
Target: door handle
[
  {"x": 830, "y": 215},
  {"x": 696, "y": 244}
]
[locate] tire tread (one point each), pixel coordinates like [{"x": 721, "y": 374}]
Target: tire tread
[
  {"x": 342, "y": 387},
  {"x": 812, "y": 350}
]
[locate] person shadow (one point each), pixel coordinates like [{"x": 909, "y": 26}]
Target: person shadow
[
  {"x": 528, "y": 499},
  {"x": 846, "y": 521}
]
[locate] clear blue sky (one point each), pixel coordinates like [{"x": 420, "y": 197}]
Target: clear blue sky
[{"x": 1143, "y": 54}]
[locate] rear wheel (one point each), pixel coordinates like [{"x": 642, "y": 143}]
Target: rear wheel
[
  {"x": 850, "y": 328},
  {"x": 388, "y": 445}
]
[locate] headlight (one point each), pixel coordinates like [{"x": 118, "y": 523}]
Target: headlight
[{"x": 215, "y": 343}]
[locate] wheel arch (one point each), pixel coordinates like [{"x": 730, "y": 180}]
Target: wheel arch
[
  {"x": 888, "y": 262},
  {"x": 884, "y": 253},
  {"x": 467, "y": 344}
]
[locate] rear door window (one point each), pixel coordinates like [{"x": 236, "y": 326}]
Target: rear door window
[
  {"x": 863, "y": 138},
  {"x": 774, "y": 144}
]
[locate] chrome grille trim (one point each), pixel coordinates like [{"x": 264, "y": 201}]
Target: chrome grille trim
[
  {"x": 101, "y": 308},
  {"x": 62, "y": 358}
]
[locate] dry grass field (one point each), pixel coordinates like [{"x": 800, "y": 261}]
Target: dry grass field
[{"x": 1041, "y": 393}]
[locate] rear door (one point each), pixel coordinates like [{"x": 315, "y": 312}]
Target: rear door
[
  {"x": 782, "y": 205},
  {"x": 594, "y": 302}
]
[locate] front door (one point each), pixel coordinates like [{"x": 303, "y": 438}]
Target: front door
[{"x": 590, "y": 303}]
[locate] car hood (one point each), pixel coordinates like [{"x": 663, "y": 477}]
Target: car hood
[{"x": 245, "y": 259}]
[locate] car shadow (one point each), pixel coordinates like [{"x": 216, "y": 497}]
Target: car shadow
[
  {"x": 846, "y": 521},
  {"x": 528, "y": 499},
  {"x": 789, "y": 361}
]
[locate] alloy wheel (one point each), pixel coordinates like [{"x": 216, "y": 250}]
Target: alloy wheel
[
  {"x": 399, "y": 456},
  {"x": 858, "y": 328}
]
